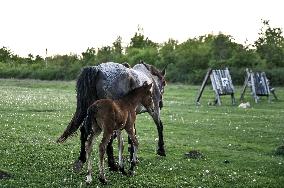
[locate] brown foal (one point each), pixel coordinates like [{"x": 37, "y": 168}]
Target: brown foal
[{"x": 107, "y": 116}]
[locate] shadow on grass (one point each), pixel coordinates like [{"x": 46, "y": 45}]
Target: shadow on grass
[{"x": 4, "y": 175}]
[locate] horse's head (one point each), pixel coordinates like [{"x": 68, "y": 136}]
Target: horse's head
[
  {"x": 147, "y": 99},
  {"x": 158, "y": 79},
  {"x": 159, "y": 83}
]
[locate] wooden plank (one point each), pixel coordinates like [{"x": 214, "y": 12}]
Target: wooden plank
[
  {"x": 253, "y": 87},
  {"x": 215, "y": 80},
  {"x": 203, "y": 86},
  {"x": 245, "y": 85},
  {"x": 232, "y": 89},
  {"x": 214, "y": 85},
  {"x": 266, "y": 86},
  {"x": 233, "y": 99}
]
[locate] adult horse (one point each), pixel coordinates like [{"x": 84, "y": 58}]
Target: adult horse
[{"x": 113, "y": 80}]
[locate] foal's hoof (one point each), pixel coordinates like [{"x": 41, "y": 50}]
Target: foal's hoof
[
  {"x": 161, "y": 152},
  {"x": 78, "y": 165},
  {"x": 88, "y": 179},
  {"x": 103, "y": 180}
]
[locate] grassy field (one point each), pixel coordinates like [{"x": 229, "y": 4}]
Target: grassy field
[{"x": 238, "y": 144}]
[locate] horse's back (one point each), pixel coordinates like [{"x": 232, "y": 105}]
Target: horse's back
[{"x": 116, "y": 80}]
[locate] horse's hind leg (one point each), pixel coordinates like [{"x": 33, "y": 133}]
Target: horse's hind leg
[{"x": 78, "y": 165}]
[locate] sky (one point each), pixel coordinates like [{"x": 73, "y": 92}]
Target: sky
[{"x": 71, "y": 26}]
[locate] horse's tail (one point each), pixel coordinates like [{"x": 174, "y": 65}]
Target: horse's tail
[{"x": 86, "y": 95}]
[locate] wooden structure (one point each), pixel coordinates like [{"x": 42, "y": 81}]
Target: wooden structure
[
  {"x": 222, "y": 85},
  {"x": 259, "y": 85}
]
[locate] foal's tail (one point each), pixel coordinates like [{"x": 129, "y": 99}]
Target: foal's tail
[
  {"x": 86, "y": 95},
  {"x": 90, "y": 120}
]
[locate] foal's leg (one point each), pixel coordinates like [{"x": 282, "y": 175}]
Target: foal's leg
[
  {"x": 88, "y": 148},
  {"x": 131, "y": 147},
  {"x": 120, "y": 152},
  {"x": 102, "y": 150},
  {"x": 131, "y": 134},
  {"x": 110, "y": 158}
]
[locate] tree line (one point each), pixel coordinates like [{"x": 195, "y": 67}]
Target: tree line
[{"x": 187, "y": 61}]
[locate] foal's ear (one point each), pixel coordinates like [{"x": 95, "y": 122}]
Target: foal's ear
[{"x": 149, "y": 86}]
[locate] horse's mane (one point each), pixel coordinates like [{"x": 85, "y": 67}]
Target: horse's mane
[{"x": 153, "y": 70}]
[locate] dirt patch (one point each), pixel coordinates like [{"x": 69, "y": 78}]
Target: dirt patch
[
  {"x": 280, "y": 150},
  {"x": 4, "y": 175},
  {"x": 194, "y": 154}
]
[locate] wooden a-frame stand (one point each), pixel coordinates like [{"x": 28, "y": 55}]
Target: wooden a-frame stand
[
  {"x": 259, "y": 85},
  {"x": 222, "y": 85}
]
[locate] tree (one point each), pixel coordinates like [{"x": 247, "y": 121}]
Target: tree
[
  {"x": 117, "y": 51},
  {"x": 140, "y": 41},
  {"x": 167, "y": 52},
  {"x": 117, "y": 46},
  {"x": 270, "y": 45},
  {"x": 5, "y": 54},
  {"x": 89, "y": 56},
  {"x": 104, "y": 54}
]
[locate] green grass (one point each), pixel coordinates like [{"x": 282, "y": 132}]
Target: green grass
[{"x": 34, "y": 113}]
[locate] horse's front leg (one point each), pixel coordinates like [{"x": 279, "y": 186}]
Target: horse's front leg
[
  {"x": 156, "y": 117},
  {"x": 161, "y": 150}
]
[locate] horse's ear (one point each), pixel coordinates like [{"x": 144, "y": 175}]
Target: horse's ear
[
  {"x": 126, "y": 65},
  {"x": 150, "y": 85},
  {"x": 164, "y": 70}
]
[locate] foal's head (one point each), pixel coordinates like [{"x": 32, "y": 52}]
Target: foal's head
[{"x": 147, "y": 100}]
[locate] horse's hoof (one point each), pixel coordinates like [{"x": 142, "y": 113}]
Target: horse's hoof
[
  {"x": 114, "y": 167},
  {"x": 78, "y": 165},
  {"x": 121, "y": 169},
  {"x": 161, "y": 152},
  {"x": 131, "y": 173},
  {"x": 61, "y": 140},
  {"x": 103, "y": 180}
]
